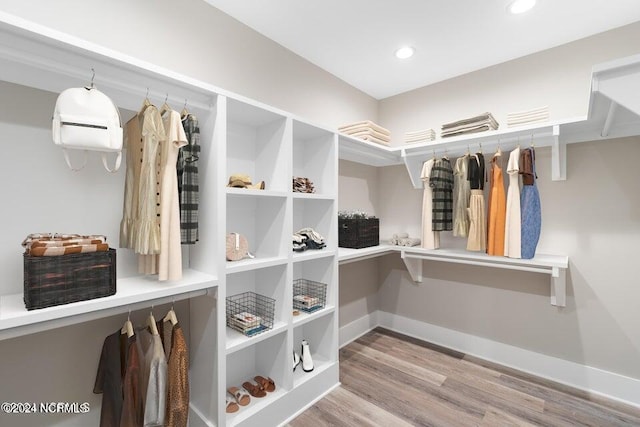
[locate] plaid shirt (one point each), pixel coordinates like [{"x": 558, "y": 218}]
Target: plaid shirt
[
  {"x": 188, "y": 186},
  {"x": 441, "y": 181}
]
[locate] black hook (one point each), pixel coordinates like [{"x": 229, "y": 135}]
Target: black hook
[{"x": 92, "y": 76}]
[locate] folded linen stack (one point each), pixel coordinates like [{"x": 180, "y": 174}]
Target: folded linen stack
[
  {"x": 424, "y": 135},
  {"x": 521, "y": 118},
  {"x": 403, "y": 239},
  {"x": 307, "y": 238},
  {"x": 368, "y": 131},
  {"x": 480, "y": 123},
  {"x": 48, "y": 244}
]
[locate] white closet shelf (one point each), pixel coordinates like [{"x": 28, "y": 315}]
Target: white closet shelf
[
  {"x": 256, "y": 405},
  {"x": 132, "y": 294},
  {"x": 304, "y": 318},
  {"x": 347, "y": 255},
  {"x": 312, "y": 254},
  {"x": 614, "y": 112},
  {"x": 320, "y": 364},
  {"x": 554, "y": 265},
  {"x": 248, "y": 264},
  {"x": 312, "y": 196},
  {"x": 237, "y": 341},
  {"x": 247, "y": 192}
]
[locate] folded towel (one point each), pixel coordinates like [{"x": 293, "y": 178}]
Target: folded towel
[
  {"x": 470, "y": 126},
  {"x": 367, "y": 123},
  {"x": 410, "y": 242},
  {"x": 528, "y": 119},
  {"x": 370, "y": 132},
  {"x": 482, "y": 128},
  {"x": 395, "y": 239},
  {"x": 472, "y": 120},
  {"x": 420, "y": 132},
  {"x": 530, "y": 122}
]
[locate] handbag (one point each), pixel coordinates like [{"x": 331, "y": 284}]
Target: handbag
[
  {"x": 237, "y": 247},
  {"x": 86, "y": 119}
]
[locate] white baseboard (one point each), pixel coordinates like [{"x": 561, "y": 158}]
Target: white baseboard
[
  {"x": 354, "y": 330},
  {"x": 593, "y": 380}
]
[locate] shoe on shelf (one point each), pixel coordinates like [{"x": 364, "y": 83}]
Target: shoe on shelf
[
  {"x": 296, "y": 360},
  {"x": 267, "y": 384},
  {"x": 307, "y": 361},
  {"x": 241, "y": 396},
  {"x": 231, "y": 406},
  {"x": 253, "y": 389}
]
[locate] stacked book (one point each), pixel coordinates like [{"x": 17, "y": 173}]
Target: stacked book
[
  {"x": 247, "y": 323},
  {"x": 521, "y": 118},
  {"x": 417, "y": 136},
  {"x": 306, "y": 303},
  {"x": 481, "y": 123},
  {"x": 368, "y": 131}
]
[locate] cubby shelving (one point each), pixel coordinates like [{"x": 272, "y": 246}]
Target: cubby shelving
[
  {"x": 316, "y": 214},
  {"x": 314, "y": 153},
  {"x": 320, "y": 337}
]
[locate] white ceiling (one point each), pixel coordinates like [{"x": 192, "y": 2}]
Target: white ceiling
[{"x": 355, "y": 40}]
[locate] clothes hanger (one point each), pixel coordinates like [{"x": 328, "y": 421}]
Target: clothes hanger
[
  {"x": 446, "y": 154},
  {"x": 146, "y": 103},
  {"x": 165, "y": 107},
  {"x": 91, "y": 85},
  {"x": 171, "y": 316},
  {"x": 184, "y": 113},
  {"x": 498, "y": 152},
  {"x": 128, "y": 326},
  {"x": 434, "y": 154},
  {"x": 151, "y": 323}
]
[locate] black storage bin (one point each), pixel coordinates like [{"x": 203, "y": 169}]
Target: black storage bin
[
  {"x": 56, "y": 280},
  {"x": 357, "y": 233}
]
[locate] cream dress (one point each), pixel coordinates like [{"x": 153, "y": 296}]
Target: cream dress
[
  {"x": 512, "y": 247},
  {"x": 461, "y": 195},
  {"x": 430, "y": 238}
]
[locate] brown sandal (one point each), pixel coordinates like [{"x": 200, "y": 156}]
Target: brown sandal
[
  {"x": 267, "y": 384},
  {"x": 240, "y": 395},
  {"x": 231, "y": 406},
  {"x": 254, "y": 390}
]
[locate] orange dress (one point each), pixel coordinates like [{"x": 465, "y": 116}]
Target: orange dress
[{"x": 497, "y": 210}]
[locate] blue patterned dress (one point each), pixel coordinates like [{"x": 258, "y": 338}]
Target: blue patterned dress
[{"x": 530, "y": 205}]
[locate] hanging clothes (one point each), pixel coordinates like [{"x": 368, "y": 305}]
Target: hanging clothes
[
  {"x": 512, "y": 227},
  {"x": 117, "y": 381},
  {"x": 497, "y": 209},
  {"x": 477, "y": 240},
  {"x": 441, "y": 182},
  {"x": 461, "y": 194},
  {"x": 530, "y": 205},
  {"x": 177, "y": 354},
  {"x": 133, "y": 146},
  {"x": 153, "y": 378},
  {"x": 430, "y": 238},
  {"x": 188, "y": 184}
]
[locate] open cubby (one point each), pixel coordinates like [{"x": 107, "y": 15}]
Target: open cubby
[
  {"x": 320, "y": 335},
  {"x": 258, "y": 145},
  {"x": 314, "y": 157},
  {"x": 260, "y": 220},
  {"x": 317, "y": 214},
  {"x": 268, "y": 358}
]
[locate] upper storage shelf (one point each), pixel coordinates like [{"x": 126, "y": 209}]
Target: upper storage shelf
[{"x": 614, "y": 112}]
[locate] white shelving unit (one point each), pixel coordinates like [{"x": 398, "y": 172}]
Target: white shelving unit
[{"x": 238, "y": 136}]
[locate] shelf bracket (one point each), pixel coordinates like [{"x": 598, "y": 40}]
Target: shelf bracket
[
  {"x": 558, "y": 157},
  {"x": 559, "y": 287},
  {"x": 609, "y": 120},
  {"x": 414, "y": 267}
]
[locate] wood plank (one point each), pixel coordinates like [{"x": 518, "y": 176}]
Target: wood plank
[
  {"x": 415, "y": 341},
  {"x": 399, "y": 364},
  {"x": 497, "y": 418}
]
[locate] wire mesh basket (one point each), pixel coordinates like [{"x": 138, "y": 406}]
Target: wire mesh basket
[
  {"x": 309, "y": 296},
  {"x": 250, "y": 313}
]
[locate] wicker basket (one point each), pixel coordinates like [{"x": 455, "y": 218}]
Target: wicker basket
[
  {"x": 56, "y": 280},
  {"x": 309, "y": 296},
  {"x": 357, "y": 233},
  {"x": 250, "y": 313}
]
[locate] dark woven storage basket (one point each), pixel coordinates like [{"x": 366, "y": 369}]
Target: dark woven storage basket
[
  {"x": 357, "y": 233},
  {"x": 56, "y": 280}
]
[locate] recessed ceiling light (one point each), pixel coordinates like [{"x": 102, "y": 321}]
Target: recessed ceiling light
[
  {"x": 405, "y": 52},
  {"x": 520, "y": 6}
]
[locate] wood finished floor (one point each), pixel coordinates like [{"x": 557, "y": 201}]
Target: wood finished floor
[{"x": 390, "y": 379}]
